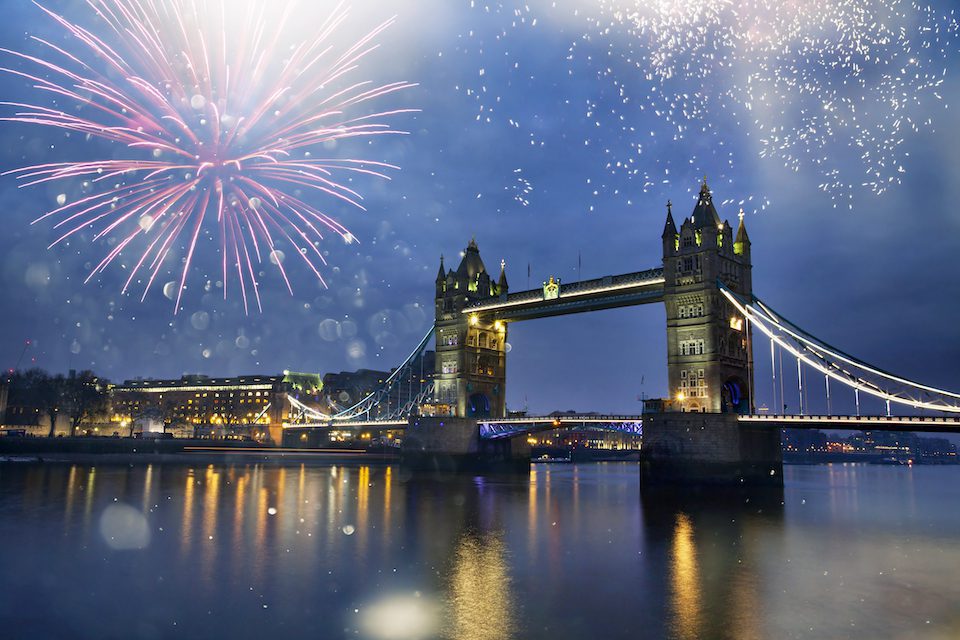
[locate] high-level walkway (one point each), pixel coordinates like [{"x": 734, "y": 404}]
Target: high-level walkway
[{"x": 610, "y": 292}]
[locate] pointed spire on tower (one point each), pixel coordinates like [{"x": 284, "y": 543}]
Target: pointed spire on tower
[
  {"x": 502, "y": 285},
  {"x": 471, "y": 265},
  {"x": 705, "y": 195},
  {"x": 742, "y": 242},
  {"x": 670, "y": 228},
  {"x": 442, "y": 275},
  {"x": 705, "y": 214}
]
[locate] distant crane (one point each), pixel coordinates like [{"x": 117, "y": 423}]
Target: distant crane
[{"x": 23, "y": 352}]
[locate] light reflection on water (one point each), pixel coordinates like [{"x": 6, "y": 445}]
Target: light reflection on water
[
  {"x": 480, "y": 597},
  {"x": 566, "y": 552},
  {"x": 685, "y": 579}
]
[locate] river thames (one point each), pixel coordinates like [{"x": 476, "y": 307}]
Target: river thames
[{"x": 250, "y": 551}]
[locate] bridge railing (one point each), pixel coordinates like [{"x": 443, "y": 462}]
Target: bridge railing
[{"x": 850, "y": 419}]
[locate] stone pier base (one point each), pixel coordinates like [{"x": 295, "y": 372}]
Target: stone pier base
[
  {"x": 453, "y": 445},
  {"x": 708, "y": 449},
  {"x": 276, "y": 434}
]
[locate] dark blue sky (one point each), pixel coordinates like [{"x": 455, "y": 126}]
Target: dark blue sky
[{"x": 537, "y": 184}]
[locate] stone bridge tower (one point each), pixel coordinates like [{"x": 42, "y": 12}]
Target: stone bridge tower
[
  {"x": 709, "y": 345},
  {"x": 470, "y": 376}
]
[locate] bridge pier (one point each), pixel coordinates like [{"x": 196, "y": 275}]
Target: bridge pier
[
  {"x": 453, "y": 445},
  {"x": 276, "y": 434},
  {"x": 697, "y": 449}
]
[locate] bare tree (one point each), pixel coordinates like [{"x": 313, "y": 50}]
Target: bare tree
[
  {"x": 37, "y": 389},
  {"x": 81, "y": 397},
  {"x": 50, "y": 396},
  {"x": 84, "y": 397}
]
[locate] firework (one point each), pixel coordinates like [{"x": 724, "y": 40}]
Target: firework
[
  {"x": 210, "y": 129},
  {"x": 836, "y": 86}
]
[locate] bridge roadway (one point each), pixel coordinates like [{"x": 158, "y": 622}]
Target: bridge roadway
[
  {"x": 633, "y": 424},
  {"x": 508, "y": 428},
  {"x": 505, "y": 428},
  {"x": 932, "y": 424}
]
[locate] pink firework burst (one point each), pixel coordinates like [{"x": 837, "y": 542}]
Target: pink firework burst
[{"x": 218, "y": 120}]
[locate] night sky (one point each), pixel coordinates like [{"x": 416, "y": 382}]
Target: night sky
[{"x": 543, "y": 135}]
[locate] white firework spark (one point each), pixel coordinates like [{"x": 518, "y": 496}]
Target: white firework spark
[{"x": 833, "y": 85}]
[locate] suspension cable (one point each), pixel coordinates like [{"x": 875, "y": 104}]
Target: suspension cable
[
  {"x": 812, "y": 341},
  {"x": 349, "y": 413},
  {"x": 829, "y": 369}
]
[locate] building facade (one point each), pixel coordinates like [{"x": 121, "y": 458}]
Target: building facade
[{"x": 245, "y": 407}]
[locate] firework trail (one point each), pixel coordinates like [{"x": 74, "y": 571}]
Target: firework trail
[{"x": 219, "y": 132}]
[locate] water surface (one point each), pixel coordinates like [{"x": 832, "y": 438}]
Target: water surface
[{"x": 248, "y": 551}]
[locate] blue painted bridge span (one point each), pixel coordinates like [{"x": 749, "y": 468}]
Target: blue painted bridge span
[{"x": 514, "y": 427}]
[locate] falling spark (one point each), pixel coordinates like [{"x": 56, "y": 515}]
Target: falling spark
[
  {"x": 216, "y": 128},
  {"x": 836, "y": 86}
]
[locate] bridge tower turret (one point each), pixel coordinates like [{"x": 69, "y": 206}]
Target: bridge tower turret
[
  {"x": 470, "y": 376},
  {"x": 709, "y": 345},
  {"x": 441, "y": 280},
  {"x": 671, "y": 238}
]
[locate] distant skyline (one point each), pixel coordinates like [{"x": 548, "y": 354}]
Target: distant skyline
[{"x": 880, "y": 281}]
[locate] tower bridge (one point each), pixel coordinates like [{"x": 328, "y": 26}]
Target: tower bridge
[
  {"x": 707, "y": 429},
  {"x": 709, "y": 352}
]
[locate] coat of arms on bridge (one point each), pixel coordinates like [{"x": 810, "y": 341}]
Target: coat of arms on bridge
[{"x": 551, "y": 290}]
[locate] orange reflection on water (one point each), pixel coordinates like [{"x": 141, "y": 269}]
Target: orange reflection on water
[
  {"x": 480, "y": 597},
  {"x": 147, "y": 487},
  {"x": 387, "y": 489},
  {"x": 211, "y": 496},
  {"x": 281, "y": 486},
  {"x": 88, "y": 505},
  {"x": 258, "y": 553},
  {"x": 363, "y": 509},
  {"x": 685, "y": 581},
  {"x": 262, "y": 506},
  {"x": 186, "y": 532},
  {"x": 334, "y": 501},
  {"x": 71, "y": 490},
  {"x": 211, "y": 505},
  {"x": 301, "y": 485},
  {"x": 238, "y": 509}
]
